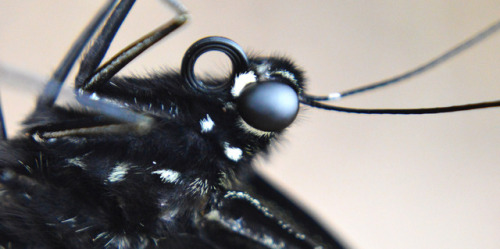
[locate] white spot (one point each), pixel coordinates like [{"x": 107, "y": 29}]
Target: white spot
[
  {"x": 118, "y": 173},
  {"x": 94, "y": 96},
  {"x": 334, "y": 96},
  {"x": 77, "y": 161},
  {"x": 241, "y": 81},
  {"x": 232, "y": 153},
  {"x": 207, "y": 124},
  {"x": 38, "y": 138},
  {"x": 213, "y": 215},
  {"x": 154, "y": 162},
  {"x": 167, "y": 175}
]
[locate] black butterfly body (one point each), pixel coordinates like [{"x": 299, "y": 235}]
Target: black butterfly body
[
  {"x": 186, "y": 182},
  {"x": 164, "y": 160}
]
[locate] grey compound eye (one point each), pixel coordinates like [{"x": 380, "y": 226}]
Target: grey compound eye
[{"x": 268, "y": 106}]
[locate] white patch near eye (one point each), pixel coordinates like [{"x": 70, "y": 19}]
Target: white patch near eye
[
  {"x": 167, "y": 175},
  {"x": 241, "y": 81},
  {"x": 118, "y": 173},
  {"x": 233, "y": 153},
  {"x": 207, "y": 124}
]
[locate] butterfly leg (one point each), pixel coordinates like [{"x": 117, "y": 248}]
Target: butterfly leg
[
  {"x": 239, "y": 220},
  {"x": 92, "y": 76}
]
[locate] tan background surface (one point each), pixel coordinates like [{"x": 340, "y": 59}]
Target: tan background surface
[{"x": 379, "y": 181}]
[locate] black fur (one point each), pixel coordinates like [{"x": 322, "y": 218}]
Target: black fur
[{"x": 107, "y": 190}]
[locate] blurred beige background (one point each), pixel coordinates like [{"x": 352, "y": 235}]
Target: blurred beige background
[{"x": 378, "y": 181}]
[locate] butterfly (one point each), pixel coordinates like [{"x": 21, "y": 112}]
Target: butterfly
[{"x": 313, "y": 69}]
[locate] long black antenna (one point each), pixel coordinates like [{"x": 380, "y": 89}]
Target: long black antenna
[
  {"x": 315, "y": 101},
  {"x": 431, "y": 110}
]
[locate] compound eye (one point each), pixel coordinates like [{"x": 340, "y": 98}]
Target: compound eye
[{"x": 268, "y": 106}]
